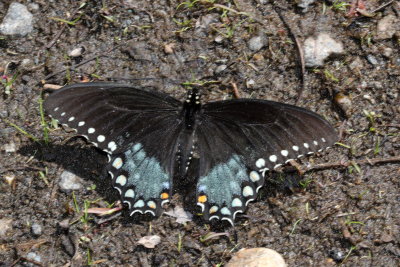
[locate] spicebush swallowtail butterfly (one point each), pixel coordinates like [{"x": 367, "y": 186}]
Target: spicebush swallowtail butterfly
[{"x": 151, "y": 137}]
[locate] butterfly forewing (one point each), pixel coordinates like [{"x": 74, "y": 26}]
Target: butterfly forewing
[
  {"x": 250, "y": 137},
  {"x": 137, "y": 128}
]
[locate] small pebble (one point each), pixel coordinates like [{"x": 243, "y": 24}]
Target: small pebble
[
  {"x": 220, "y": 69},
  {"x": 169, "y": 48},
  {"x": 10, "y": 178},
  {"x": 76, "y": 52},
  {"x": 64, "y": 224},
  {"x": 180, "y": 214},
  {"x": 344, "y": 103},
  {"x": 33, "y": 256},
  {"x": 150, "y": 241},
  {"x": 250, "y": 83},
  {"x": 356, "y": 64},
  {"x": 27, "y": 63},
  {"x": 36, "y": 229},
  {"x": 371, "y": 59},
  {"x": 386, "y": 27},
  {"x": 219, "y": 39},
  {"x": 33, "y": 6},
  {"x": 18, "y": 20},
  {"x": 387, "y": 52},
  {"x": 257, "y": 257},
  {"x": 69, "y": 181},
  {"x": 304, "y": 4},
  {"x": 9, "y": 148},
  {"x": 336, "y": 255},
  {"x": 257, "y": 42},
  {"x": 317, "y": 49},
  {"x": 5, "y": 226}
]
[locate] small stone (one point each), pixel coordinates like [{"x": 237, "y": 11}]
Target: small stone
[
  {"x": 5, "y": 226},
  {"x": 304, "y": 4},
  {"x": 18, "y": 20},
  {"x": 169, "y": 48},
  {"x": 150, "y": 241},
  {"x": 257, "y": 42},
  {"x": 386, "y": 27},
  {"x": 27, "y": 63},
  {"x": 257, "y": 257},
  {"x": 220, "y": 69},
  {"x": 10, "y": 178},
  {"x": 219, "y": 39},
  {"x": 34, "y": 257},
  {"x": 76, "y": 52},
  {"x": 386, "y": 51},
  {"x": 250, "y": 83},
  {"x": 69, "y": 181},
  {"x": 336, "y": 255},
  {"x": 64, "y": 224},
  {"x": 317, "y": 49},
  {"x": 180, "y": 214},
  {"x": 36, "y": 229},
  {"x": 33, "y": 6},
  {"x": 9, "y": 148},
  {"x": 344, "y": 103},
  {"x": 356, "y": 64},
  {"x": 386, "y": 238},
  {"x": 371, "y": 59}
]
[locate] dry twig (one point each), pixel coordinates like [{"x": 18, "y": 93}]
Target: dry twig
[{"x": 346, "y": 164}]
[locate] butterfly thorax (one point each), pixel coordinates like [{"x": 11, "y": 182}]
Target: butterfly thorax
[
  {"x": 186, "y": 142},
  {"x": 190, "y": 108}
]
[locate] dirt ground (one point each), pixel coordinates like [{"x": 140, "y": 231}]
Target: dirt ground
[{"x": 337, "y": 216}]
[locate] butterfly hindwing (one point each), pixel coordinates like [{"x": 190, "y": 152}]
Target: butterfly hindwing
[{"x": 250, "y": 137}]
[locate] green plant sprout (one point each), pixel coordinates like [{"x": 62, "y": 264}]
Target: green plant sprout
[
  {"x": 69, "y": 22},
  {"x": 43, "y": 176},
  {"x": 188, "y": 4},
  {"x": 294, "y": 226},
  {"x": 330, "y": 76},
  {"x": 179, "y": 246},
  {"x": 185, "y": 25},
  {"x": 22, "y": 131},
  {"x": 340, "y": 5},
  {"x": 305, "y": 182}
]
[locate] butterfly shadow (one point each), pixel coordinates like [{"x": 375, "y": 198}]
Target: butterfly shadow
[
  {"x": 75, "y": 157},
  {"x": 84, "y": 161}
]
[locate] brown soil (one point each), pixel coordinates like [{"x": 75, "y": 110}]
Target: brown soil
[{"x": 346, "y": 216}]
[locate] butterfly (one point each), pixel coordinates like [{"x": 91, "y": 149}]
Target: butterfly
[{"x": 151, "y": 137}]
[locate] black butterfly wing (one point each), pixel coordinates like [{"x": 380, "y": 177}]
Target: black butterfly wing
[
  {"x": 240, "y": 140},
  {"x": 136, "y": 128}
]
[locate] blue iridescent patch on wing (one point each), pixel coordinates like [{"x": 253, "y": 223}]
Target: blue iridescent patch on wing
[
  {"x": 225, "y": 190},
  {"x": 140, "y": 179}
]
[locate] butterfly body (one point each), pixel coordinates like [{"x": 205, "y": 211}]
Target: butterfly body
[{"x": 151, "y": 138}]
